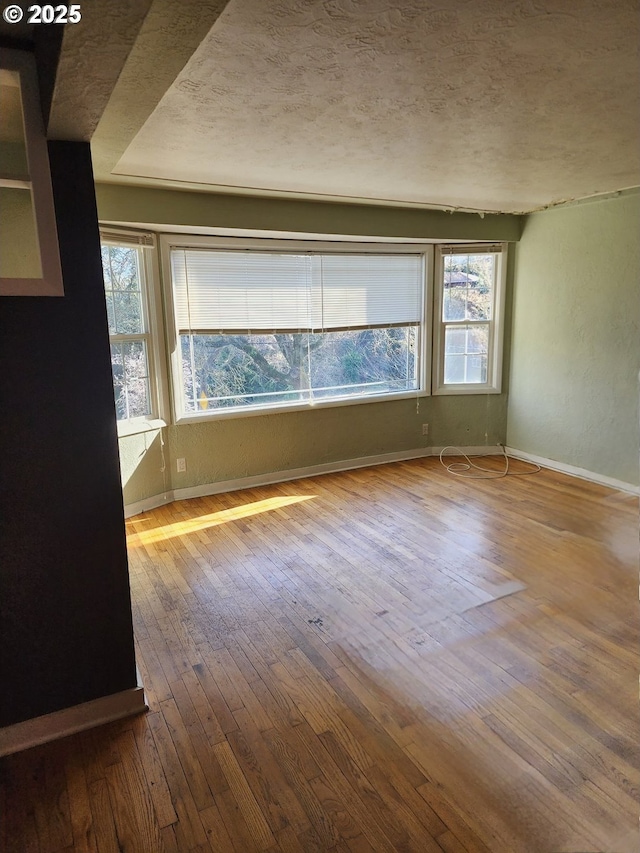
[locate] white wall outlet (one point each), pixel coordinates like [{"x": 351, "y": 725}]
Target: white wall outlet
[
  {"x": 425, "y": 429},
  {"x": 181, "y": 464}
]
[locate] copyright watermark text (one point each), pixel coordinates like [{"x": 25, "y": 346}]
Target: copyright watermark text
[{"x": 13, "y": 14}]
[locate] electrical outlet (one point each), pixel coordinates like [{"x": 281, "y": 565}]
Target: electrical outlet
[
  {"x": 425, "y": 429},
  {"x": 181, "y": 464}
]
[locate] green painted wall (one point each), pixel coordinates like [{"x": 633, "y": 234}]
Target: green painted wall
[
  {"x": 141, "y": 465},
  {"x": 117, "y": 203},
  {"x": 241, "y": 447},
  {"x": 575, "y": 352}
]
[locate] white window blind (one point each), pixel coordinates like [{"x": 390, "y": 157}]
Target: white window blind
[
  {"x": 126, "y": 238},
  {"x": 474, "y": 249},
  {"x": 238, "y": 292},
  {"x": 369, "y": 291}
]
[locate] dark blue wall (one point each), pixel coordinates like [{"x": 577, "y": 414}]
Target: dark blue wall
[{"x": 65, "y": 616}]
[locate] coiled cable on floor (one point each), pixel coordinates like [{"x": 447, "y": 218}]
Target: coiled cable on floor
[{"x": 466, "y": 469}]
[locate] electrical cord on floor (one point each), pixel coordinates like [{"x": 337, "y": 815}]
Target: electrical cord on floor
[{"x": 466, "y": 469}]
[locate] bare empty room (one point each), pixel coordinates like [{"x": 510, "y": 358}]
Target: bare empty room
[{"x": 320, "y": 426}]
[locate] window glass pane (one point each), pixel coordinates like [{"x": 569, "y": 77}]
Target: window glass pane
[
  {"x": 477, "y": 339},
  {"x": 454, "y": 369},
  {"x": 123, "y": 286},
  {"x": 465, "y": 359},
  {"x": 468, "y": 286},
  {"x": 127, "y": 312},
  {"x": 455, "y": 287},
  {"x": 129, "y": 364},
  {"x": 476, "y": 367},
  {"x": 223, "y": 371},
  {"x": 465, "y": 369},
  {"x": 111, "y": 314},
  {"x": 119, "y": 382},
  {"x": 455, "y": 340}
]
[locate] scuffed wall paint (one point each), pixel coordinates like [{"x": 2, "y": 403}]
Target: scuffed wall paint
[
  {"x": 576, "y": 337},
  {"x": 228, "y": 449},
  {"x": 141, "y": 464}
]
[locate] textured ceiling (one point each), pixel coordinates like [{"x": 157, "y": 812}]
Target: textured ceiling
[
  {"x": 497, "y": 105},
  {"x": 91, "y": 60}
]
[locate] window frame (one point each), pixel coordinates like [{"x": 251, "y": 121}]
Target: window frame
[
  {"x": 151, "y": 303},
  {"x": 339, "y": 246},
  {"x": 493, "y": 385},
  {"x": 38, "y": 182}
]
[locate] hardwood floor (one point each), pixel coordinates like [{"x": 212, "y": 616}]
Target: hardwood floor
[{"x": 391, "y": 659}]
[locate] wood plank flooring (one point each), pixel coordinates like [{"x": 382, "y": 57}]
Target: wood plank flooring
[{"x": 390, "y": 659}]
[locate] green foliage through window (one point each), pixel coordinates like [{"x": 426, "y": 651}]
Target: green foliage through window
[
  {"x": 467, "y": 305},
  {"x": 124, "y": 281},
  {"x": 223, "y": 371}
]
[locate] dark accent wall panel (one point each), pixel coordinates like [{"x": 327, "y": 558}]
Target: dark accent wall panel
[{"x": 65, "y": 614}]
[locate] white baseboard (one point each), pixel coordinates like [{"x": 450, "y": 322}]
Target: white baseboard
[
  {"x": 295, "y": 474},
  {"x": 473, "y": 450},
  {"x": 365, "y": 462},
  {"x": 69, "y": 721},
  {"x": 148, "y": 503},
  {"x": 582, "y": 473}
]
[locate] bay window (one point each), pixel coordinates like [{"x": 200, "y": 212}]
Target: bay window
[{"x": 263, "y": 325}]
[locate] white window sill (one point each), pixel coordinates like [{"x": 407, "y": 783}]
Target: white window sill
[
  {"x": 139, "y": 425},
  {"x": 217, "y": 414},
  {"x": 451, "y": 390}
]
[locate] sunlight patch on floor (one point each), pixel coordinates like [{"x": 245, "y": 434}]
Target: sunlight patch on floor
[{"x": 213, "y": 519}]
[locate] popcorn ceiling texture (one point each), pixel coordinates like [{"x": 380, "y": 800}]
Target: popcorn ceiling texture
[
  {"x": 488, "y": 105},
  {"x": 91, "y": 60},
  {"x": 171, "y": 32}
]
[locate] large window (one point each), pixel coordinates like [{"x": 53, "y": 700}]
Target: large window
[
  {"x": 295, "y": 325},
  {"x": 259, "y": 325},
  {"x": 469, "y": 297},
  {"x": 128, "y": 271}
]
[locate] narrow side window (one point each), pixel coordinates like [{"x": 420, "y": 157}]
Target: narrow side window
[
  {"x": 468, "y": 319},
  {"x": 133, "y": 330}
]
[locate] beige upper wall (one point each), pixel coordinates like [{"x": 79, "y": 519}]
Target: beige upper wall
[{"x": 575, "y": 354}]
